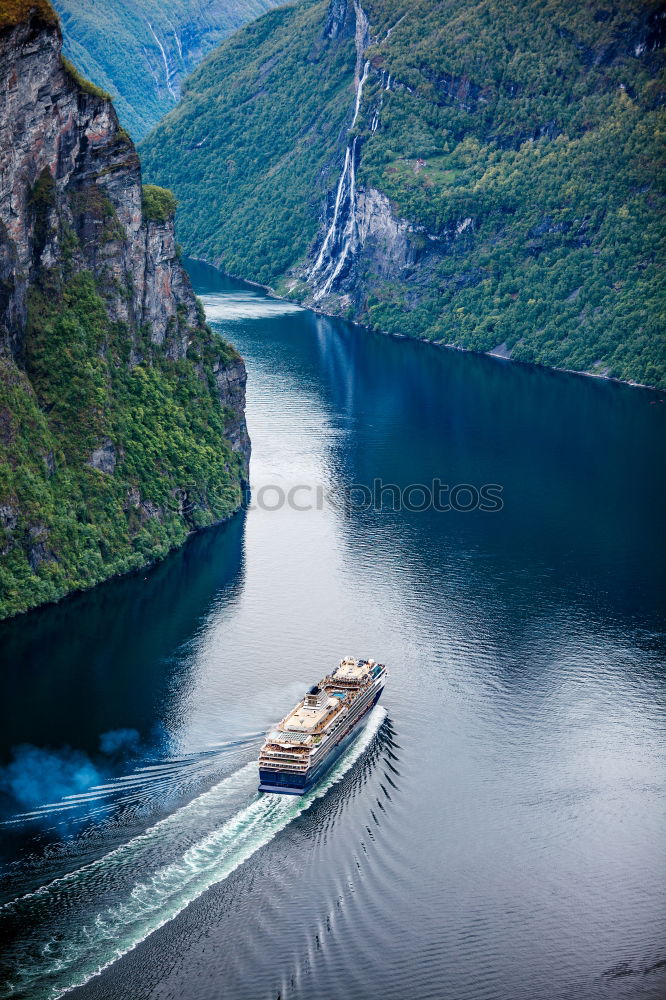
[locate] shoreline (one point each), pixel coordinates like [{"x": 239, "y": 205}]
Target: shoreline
[
  {"x": 127, "y": 574},
  {"x": 423, "y": 340}
]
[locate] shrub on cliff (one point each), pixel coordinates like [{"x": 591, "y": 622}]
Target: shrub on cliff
[{"x": 158, "y": 203}]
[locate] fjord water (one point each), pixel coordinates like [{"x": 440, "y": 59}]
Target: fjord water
[{"x": 498, "y": 830}]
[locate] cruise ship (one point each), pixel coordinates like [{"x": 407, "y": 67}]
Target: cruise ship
[{"x": 305, "y": 744}]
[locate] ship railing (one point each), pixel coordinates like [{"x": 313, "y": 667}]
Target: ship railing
[
  {"x": 288, "y": 768},
  {"x": 282, "y": 756}
]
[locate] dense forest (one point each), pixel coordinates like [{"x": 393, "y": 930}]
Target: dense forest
[
  {"x": 139, "y": 50},
  {"x": 518, "y": 149},
  {"x": 155, "y": 431}
]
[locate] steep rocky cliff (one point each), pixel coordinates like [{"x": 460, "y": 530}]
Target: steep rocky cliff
[
  {"x": 476, "y": 173},
  {"x": 121, "y": 415}
]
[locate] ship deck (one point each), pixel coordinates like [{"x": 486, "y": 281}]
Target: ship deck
[{"x": 305, "y": 720}]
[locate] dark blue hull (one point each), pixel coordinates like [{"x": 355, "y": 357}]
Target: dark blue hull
[{"x": 298, "y": 784}]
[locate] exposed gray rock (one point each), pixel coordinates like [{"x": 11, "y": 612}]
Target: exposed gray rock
[
  {"x": 335, "y": 20},
  {"x": 383, "y": 237},
  {"x": 458, "y": 90},
  {"x": 9, "y": 516},
  {"x": 132, "y": 500},
  {"x": 50, "y": 463},
  {"x": 39, "y": 551},
  {"x": 501, "y": 351},
  {"x": 150, "y": 509},
  {"x": 386, "y": 248},
  {"x": 231, "y": 379},
  {"x": 66, "y": 166},
  {"x": 104, "y": 458}
]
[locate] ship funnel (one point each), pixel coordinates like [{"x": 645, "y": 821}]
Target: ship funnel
[{"x": 315, "y": 698}]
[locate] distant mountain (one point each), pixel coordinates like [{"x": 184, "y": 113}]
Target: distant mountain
[
  {"x": 139, "y": 50},
  {"x": 480, "y": 173}
]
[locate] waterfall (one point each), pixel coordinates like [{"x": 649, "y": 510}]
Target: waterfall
[
  {"x": 359, "y": 92},
  {"x": 360, "y": 37},
  {"x": 177, "y": 40},
  {"x": 339, "y": 196},
  {"x": 167, "y": 71},
  {"x": 341, "y": 238}
]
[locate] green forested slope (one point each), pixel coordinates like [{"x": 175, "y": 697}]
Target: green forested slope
[
  {"x": 65, "y": 525},
  {"x": 523, "y": 143},
  {"x": 253, "y": 137},
  {"x": 138, "y": 50}
]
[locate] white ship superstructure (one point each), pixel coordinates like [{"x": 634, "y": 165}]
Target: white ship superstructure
[{"x": 306, "y": 742}]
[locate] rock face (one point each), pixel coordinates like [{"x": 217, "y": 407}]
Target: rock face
[
  {"x": 104, "y": 457},
  {"x": 230, "y": 379},
  {"x": 66, "y": 167},
  {"x": 384, "y": 239},
  {"x": 390, "y": 248},
  {"x": 100, "y": 337},
  {"x": 335, "y": 21}
]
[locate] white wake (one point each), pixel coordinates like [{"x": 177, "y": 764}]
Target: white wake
[{"x": 75, "y": 954}]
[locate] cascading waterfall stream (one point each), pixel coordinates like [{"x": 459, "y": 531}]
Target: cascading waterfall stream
[
  {"x": 340, "y": 194},
  {"x": 359, "y": 92},
  {"x": 167, "y": 71},
  {"x": 341, "y": 238}
]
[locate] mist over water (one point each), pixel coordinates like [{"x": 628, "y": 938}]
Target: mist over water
[
  {"x": 499, "y": 834},
  {"x": 73, "y": 954},
  {"x": 241, "y": 304}
]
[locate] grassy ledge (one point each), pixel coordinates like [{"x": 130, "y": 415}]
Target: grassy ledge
[
  {"x": 13, "y": 12},
  {"x": 85, "y": 85}
]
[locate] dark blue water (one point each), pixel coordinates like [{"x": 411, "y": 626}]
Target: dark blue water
[{"x": 498, "y": 830}]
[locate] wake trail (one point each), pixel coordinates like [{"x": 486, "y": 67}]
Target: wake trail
[
  {"x": 144, "y": 782},
  {"x": 76, "y": 951}
]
